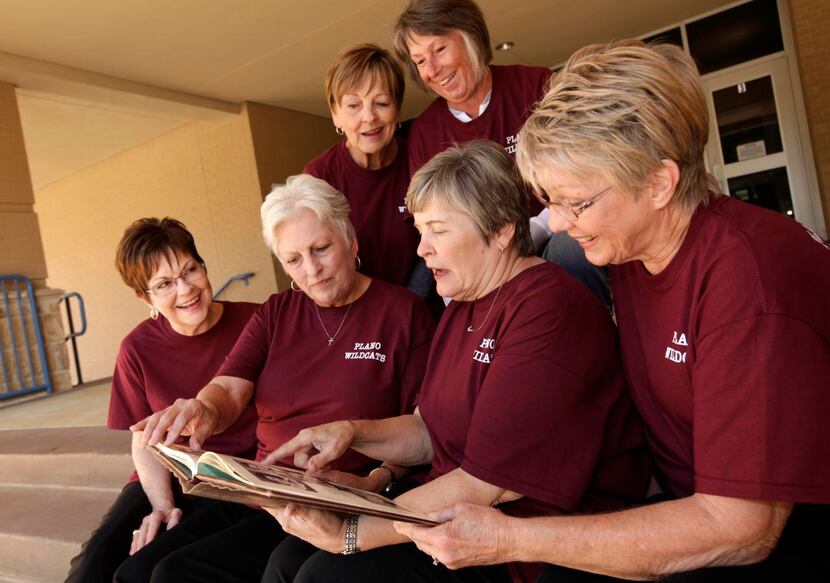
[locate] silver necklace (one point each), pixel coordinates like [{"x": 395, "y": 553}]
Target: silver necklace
[
  {"x": 493, "y": 303},
  {"x": 329, "y": 336}
]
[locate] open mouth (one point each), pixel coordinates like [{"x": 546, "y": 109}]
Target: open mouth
[
  {"x": 373, "y": 133},
  {"x": 585, "y": 241},
  {"x": 188, "y": 304},
  {"x": 444, "y": 82}
]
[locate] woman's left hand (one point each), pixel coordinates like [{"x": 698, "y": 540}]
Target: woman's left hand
[
  {"x": 325, "y": 530},
  {"x": 471, "y": 535}
]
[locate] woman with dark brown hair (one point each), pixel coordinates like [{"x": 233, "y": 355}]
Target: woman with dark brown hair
[{"x": 170, "y": 355}]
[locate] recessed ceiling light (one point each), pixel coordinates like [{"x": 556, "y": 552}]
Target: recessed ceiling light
[{"x": 505, "y": 46}]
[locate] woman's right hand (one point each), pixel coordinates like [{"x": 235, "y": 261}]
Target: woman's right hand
[
  {"x": 184, "y": 417},
  {"x": 150, "y": 525},
  {"x": 315, "y": 447}
]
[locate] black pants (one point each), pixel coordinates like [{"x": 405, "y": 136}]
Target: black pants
[
  {"x": 109, "y": 544},
  {"x": 223, "y": 542},
  {"x": 402, "y": 563}
]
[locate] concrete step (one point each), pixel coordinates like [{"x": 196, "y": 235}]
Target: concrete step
[
  {"x": 41, "y": 529},
  {"x": 88, "y": 457},
  {"x": 5, "y": 578}
]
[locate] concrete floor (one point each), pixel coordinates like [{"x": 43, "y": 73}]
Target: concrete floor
[{"x": 83, "y": 406}]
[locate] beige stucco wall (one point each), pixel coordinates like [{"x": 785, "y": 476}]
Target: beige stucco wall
[
  {"x": 811, "y": 29},
  {"x": 278, "y": 135},
  {"x": 203, "y": 174}
]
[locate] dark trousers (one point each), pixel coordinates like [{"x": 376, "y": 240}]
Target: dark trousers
[
  {"x": 402, "y": 563},
  {"x": 109, "y": 544},
  {"x": 226, "y": 542}
]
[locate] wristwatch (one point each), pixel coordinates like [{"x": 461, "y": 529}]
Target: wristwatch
[
  {"x": 351, "y": 535},
  {"x": 391, "y": 482}
]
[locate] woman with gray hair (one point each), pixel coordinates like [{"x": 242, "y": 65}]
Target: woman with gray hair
[
  {"x": 337, "y": 345},
  {"x": 724, "y": 325},
  {"x": 523, "y": 404},
  {"x": 445, "y": 46}
]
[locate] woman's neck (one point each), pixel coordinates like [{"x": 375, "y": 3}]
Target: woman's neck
[
  {"x": 667, "y": 238},
  {"x": 472, "y": 104},
  {"x": 376, "y": 160},
  {"x": 510, "y": 265}
]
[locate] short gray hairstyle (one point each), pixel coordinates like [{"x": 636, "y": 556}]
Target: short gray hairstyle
[
  {"x": 479, "y": 179},
  {"x": 301, "y": 192}
]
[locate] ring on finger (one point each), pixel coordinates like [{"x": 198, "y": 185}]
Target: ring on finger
[{"x": 135, "y": 532}]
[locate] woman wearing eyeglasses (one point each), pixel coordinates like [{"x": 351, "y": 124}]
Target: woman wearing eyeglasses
[
  {"x": 724, "y": 325},
  {"x": 170, "y": 355},
  {"x": 337, "y": 345}
]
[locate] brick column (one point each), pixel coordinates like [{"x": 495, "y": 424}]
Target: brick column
[{"x": 21, "y": 248}]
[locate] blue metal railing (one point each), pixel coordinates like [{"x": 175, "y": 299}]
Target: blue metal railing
[
  {"x": 243, "y": 277},
  {"x": 71, "y": 323},
  {"x": 20, "y": 375}
]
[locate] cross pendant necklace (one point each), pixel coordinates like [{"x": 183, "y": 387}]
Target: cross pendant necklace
[{"x": 326, "y": 332}]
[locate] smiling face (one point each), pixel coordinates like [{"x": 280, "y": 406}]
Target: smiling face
[
  {"x": 444, "y": 66},
  {"x": 317, "y": 259},
  {"x": 453, "y": 248},
  {"x": 616, "y": 228},
  {"x": 186, "y": 302},
  {"x": 368, "y": 114}
]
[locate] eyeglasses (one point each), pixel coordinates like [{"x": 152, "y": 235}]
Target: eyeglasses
[
  {"x": 191, "y": 275},
  {"x": 571, "y": 212}
]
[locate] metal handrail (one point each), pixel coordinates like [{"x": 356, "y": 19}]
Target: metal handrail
[
  {"x": 41, "y": 352},
  {"x": 243, "y": 277},
  {"x": 72, "y": 333}
]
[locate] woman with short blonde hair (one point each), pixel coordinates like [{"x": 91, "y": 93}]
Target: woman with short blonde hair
[{"x": 724, "y": 325}]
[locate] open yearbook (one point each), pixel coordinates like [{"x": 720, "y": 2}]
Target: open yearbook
[{"x": 225, "y": 477}]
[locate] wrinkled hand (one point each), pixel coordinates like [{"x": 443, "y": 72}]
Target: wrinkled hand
[
  {"x": 184, "y": 417},
  {"x": 151, "y": 524},
  {"x": 314, "y": 448},
  {"x": 471, "y": 535},
  {"x": 325, "y": 530}
]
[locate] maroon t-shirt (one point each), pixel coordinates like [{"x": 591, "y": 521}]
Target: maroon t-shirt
[
  {"x": 516, "y": 89},
  {"x": 372, "y": 370},
  {"x": 385, "y": 230},
  {"x": 156, "y": 365},
  {"x": 727, "y": 355},
  {"x": 535, "y": 400}
]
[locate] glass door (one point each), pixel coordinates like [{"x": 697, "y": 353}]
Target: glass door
[{"x": 754, "y": 149}]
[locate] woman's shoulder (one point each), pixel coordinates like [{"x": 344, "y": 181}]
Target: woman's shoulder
[
  {"x": 389, "y": 293},
  {"x": 521, "y": 72},
  {"x": 323, "y": 165},
  {"x": 147, "y": 336}
]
